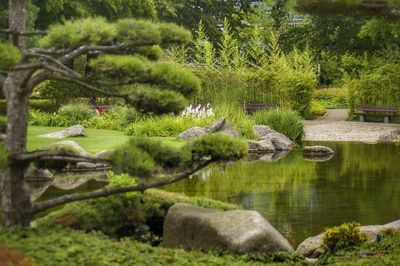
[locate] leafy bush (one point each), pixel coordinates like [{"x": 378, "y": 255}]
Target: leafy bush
[
  {"x": 165, "y": 126},
  {"x": 286, "y": 122},
  {"x": 377, "y": 87},
  {"x": 343, "y": 236},
  {"x": 75, "y": 113},
  {"x": 216, "y": 146},
  {"x": 114, "y": 214},
  {"x": 332, "y": 98},
  {"x": 60, "y": 246},
  {"x": 43, "y": 105},
  {"x": 317, "y": 108}
]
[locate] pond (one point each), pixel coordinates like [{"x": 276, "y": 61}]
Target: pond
[{"x": 300, "y": 198}]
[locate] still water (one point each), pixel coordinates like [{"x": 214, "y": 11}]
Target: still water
[{"x": 300, "y": 198}]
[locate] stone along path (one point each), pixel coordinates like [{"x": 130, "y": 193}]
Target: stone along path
[{"x": 334, "y": 127}]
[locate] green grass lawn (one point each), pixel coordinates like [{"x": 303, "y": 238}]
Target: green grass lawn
[{"x": 96, "y": 139}]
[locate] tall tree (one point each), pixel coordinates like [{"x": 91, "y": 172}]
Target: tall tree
[{"x": 127, "y": 54}]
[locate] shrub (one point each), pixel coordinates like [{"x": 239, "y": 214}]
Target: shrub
[
  {"x": 343, "y": 236},
  {"x": 317, "y": 108},
  {"x": 165, "y": 126},
  {"x": 332, "y": 98},
  {"x": 43, "y": 105},
  {"x": 286, "y": 122},
  {"x": 75, "y": 113}
]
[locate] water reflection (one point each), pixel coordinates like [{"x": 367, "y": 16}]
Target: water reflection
[{"x": 300, "y": 198}]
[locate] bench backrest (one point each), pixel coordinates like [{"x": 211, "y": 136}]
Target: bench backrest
[
  {"x": 371, "y": 108},
  {"x": 257, "y": 106}
]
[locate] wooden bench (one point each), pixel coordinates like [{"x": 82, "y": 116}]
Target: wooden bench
[
  {"x": 253, "y": 107},
  {"x": 367, "y": 110}
]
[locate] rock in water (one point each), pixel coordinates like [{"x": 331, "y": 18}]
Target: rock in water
[
  {"x": 280, "y": 141},
  {"x": 261, "y": 147},
  {"x": 192, "y": 133},
  {"x": 317, "y": 151},
  {"x": 74, "y": 131},
  {"x": 216, "y": 125},
  {"x": 239, "y": 231},
  {"x": 262, "y": 130}
]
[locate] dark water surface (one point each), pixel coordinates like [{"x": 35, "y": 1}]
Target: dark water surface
[{"x": 300, "y": 198}]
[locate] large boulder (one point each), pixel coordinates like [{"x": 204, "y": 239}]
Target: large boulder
[
  {"x": 203, "y": 229},
  {"x": 317, "y": 151},
  {"x": 261, "y": 146},
  {"x": 262, "y": 131},
  {"x": 216, "y": 125},
  {"x": 228, "y": 129},
  {"x": 74, "y": 131},
  {"x": 280, "y": 141},
  {"x": 311, "y": 247},
  {"x": 34, "y": 173},
  {"x": 192, "y": 133}
]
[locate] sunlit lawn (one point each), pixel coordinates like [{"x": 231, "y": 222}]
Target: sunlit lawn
[{"x": 96, "y": 139}]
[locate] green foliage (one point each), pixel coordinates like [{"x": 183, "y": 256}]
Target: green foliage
[
  {"x": 176, "y": 77},
  {"x": 153, "y": 52},
  {"x": 172, "y": 33},
  {"x": 165, "y": 126},
  {"x": 286, "y": 122},
  {"x": 113, "y": 215},
  {"x": 132, "y": 32},
  {"x": 158, "y": 101},
  {"x": 228, "y": 45},
  {"x": 60, "y": 246},
  {"x": 217, "y": 147},
  {"x": 74, "y": 114},
  {"x": 317, "y": 108},
  {"x": 43, "y": 105},
  {"x": 376, "y": 87},
  {"x": 333, "y": 98},
  {"x": 142, "y": 157},
  {"x": 120, "y": 67},
  {"x": 10, "y": 56},
  {"x": 71, "y": 34},
  {"x": 343, "y": 236}
]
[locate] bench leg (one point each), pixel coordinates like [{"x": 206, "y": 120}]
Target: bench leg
[
  {"x": 362, "y": 118},
  {"x": 386, "y": 120}
]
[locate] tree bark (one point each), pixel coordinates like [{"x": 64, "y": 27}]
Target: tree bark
[{"x": 17, "y": 21}]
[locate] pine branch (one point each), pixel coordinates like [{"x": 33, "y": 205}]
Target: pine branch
[
  {"x": 22, "y": 33},
  {"x": 105, "y": 192}
]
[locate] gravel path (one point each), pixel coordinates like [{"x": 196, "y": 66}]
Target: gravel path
[{"x": 333, "y": 127}]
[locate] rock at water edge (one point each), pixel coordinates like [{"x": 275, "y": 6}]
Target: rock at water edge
[{"x": 192, "y": 133}]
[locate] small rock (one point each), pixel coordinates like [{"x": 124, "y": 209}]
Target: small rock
[
  {"x": 192, "y": 133},
  {"x": 216, "y": 125},
  {"x": 231, "y": 132},
  {"x": 86, "y": 165},
  {"x": 74, "y": 131},
  {"x": 262, "y": 146},
  {"x": 204, "y": 229},
  {"x": 262, "y": 130},
  {"x": 317, "y": 151}
]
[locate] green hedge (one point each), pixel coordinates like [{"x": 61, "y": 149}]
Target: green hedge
[{"x": 47, "y": 106}]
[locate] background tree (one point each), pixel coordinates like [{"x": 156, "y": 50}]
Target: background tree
[{"x": 127, "y": 53}]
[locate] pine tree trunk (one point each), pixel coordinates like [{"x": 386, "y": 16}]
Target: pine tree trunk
[{"x": 15, "y": 195}]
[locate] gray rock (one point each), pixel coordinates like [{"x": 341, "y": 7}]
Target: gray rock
[
  {"x": 312, "y": 245},
  {"x": 192, "y": 133},
  {"x": 74, "y": 131},
  {"x": 395, "y": 224},
  {"x": 280, "y": 141},
  {"x": 68, "y": 145},
  {"x": 216, "y": 125},
  {"x": 261, "y": 146},
  {"x": 262, "y": 130},
  {"x": 317, "y": 151},
  {"x": 231, "y": 132},
  {"x": 239, "y": 231},
  {"x": 86, "y": 165},
  {"x": 319, "y": 159}
]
